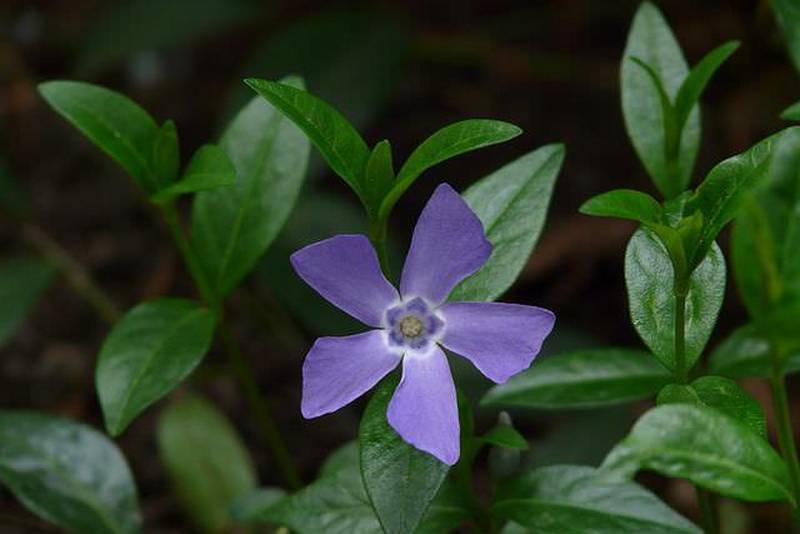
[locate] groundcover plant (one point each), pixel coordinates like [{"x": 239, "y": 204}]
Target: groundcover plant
[{"x": 414, "y": 463}]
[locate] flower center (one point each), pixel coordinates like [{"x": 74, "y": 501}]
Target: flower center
[{"x": 411, "y": 326}]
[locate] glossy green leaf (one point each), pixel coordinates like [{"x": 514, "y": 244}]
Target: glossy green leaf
[
  {"x": 649, "y": 279},
  {"x": 206, "y": 460},
  {"x": 720, "y": 195},
  {"x": 512, "y": 204},
  {"x": 625, "y": 204},
  {"x": 209, "y": 168},
  {"x": 336, "y": 139},
  {"x": 166, "y": 153},
  {"x": 233, "y": 226},
  {"x": 651, "y": 41},
  {"x": 746, "y": 353},
  {"x": 147, "y": 354},
  {"x": 697, "y": 80},
  {"x": 571, "y": 498},
  {"x": 67, "y": 473},
  {"x": 132, "y": 27},
  {"x": 505, "y": 436},
  {"x": 335, "y": 504},
  {"x": 792, "y": 113},
  {"x": 582, "y": 379},
  {"x": 401, "y": 481},
  {"x": 706, "y": 447},
  {"x": 766, "y": 234},
  {"x": 788, "y": 14},
  {"x": 722, "y": 394},
  {"x": 22, "y": 281},
  {"x": 249, "y": 506},
  {"x": 448, "y": 142},
  {"x": 378, "y": 176},
  {"x": 116, "y": 124}
]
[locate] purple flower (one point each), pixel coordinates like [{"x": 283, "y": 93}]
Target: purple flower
[{"x": 413, "y": 324}]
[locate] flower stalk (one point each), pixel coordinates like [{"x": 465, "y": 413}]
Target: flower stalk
[{"x": 783, "y": 422}]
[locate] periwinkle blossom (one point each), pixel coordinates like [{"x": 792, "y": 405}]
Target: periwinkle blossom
[{"x": 411, "y": 326}]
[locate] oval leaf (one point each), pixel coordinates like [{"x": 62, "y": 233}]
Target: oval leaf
[
  {"x": 450, "y": 141},
  {"x": 149, "y": 352},
  {"x": 582, "y": 379},
  {"x": 67, "y": 473},
  {"x": 232, "y": 227},
  {"x": 625, "y": 204},
  {"x": 651, "y": 41},
  {"x": 649, "y": 279},
  {"x": 208, "y": 478},
  {"x": 547, "y": 499},
  {"x": 512, "y": 204},
  {"x": 706, "y": 447},
  {"x": 746, "y": 353},
  {"x": 22, "y": 280},
  {"x": 113, "y": 122},
  {"x": 400, "y": 480}
]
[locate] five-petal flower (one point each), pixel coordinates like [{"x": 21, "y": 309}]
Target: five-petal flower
[{"x": 411, "y": 326}]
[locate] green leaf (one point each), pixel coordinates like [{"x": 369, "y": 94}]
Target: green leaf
[
  {"x": 448, "y": 511},
  {"x": 67, "y": 473},
  {"x": 335, "y": 504},
  {"x": 706, "y": 447},
  {"x": 505, "y": 436},
  {"x": 209, "y": 168},
  {"x": 695, "y": 83},
  {"x": 788, "y": 14},
  {"x": 378, "y": 176},
  {"x": 582, "y": 379},
  {"x": 113, "y": 122},
  {"x": 249, "y": 506},
  {"x": 336, "y": 139},
  {"x": 233, "y": 226},
  {"x": 22, "y": 281},
  {"x": 512, "y": 204},
  {"x": 450, "y": 141},
  {"x": 792, "y": 113},
  {"x": 720, "y": 195},
  {"x": 401, "y": 481},
  {"x": 722, "y": 394},
  {"x": 571, "y": 498},
  {"x": 746, "y": 353},
  {"x": 766, "y": 233},
  {"x": 166, "y": 153},
  {"x": 651, "y": 41},
  {"x": 625, "y": 204},
  {"x": 206, "y": 460},
  {"x": 147, "y": 354},
  {"x": 649, "y": 279},
  {"x": 137, "y": 26}
]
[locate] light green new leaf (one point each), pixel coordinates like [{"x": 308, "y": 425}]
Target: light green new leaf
[
  {"x": 649, "y": 280},
  {"x": 148, "y": 353},
  {"x": 209, "y": 168},
  {"x": 792, "y": 113},
  {"x": 401, "y": 481},
  {"x": 582, "y": 379},
  {"x": 233, "y": 226},
  {"x": 721, "y": 193},
  {"x": 206, "y": 460},
  {"x": 336, "y": 139},
  {"x": 651, "y": 41},
  {"x": 706, "y": 447},
  {"x": 166, "y": 153},
  {"x": 505, "y": 436},
  {"x": 574, "y": 499},
  {"x": 512, "y": 204},
  {"x": 625, "y": 204},
  {"x": 788, "y": 14},
  {"x": 113, "y": 122},
  {"x": 22, "y": 280},
  {"x": 746, "y": 353},
  {"x": 67, "y": 473},
  {"x": 450, "y": 141},
  {"x": 722, "y": 394},
  {"x": 695, "y": 83},
  {"x": 378, "y": 176}
]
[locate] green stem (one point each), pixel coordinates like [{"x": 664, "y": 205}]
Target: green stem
[
  {"x": 708, "y": 510},
  {"x": 76, "y": 275},
  {"x": 236, "y": 359},
  {"x": 780, "y": 403},
  {"x": 681, "y": 373}
]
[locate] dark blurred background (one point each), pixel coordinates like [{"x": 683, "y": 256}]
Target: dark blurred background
[{"x": 399, "y": 70}]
